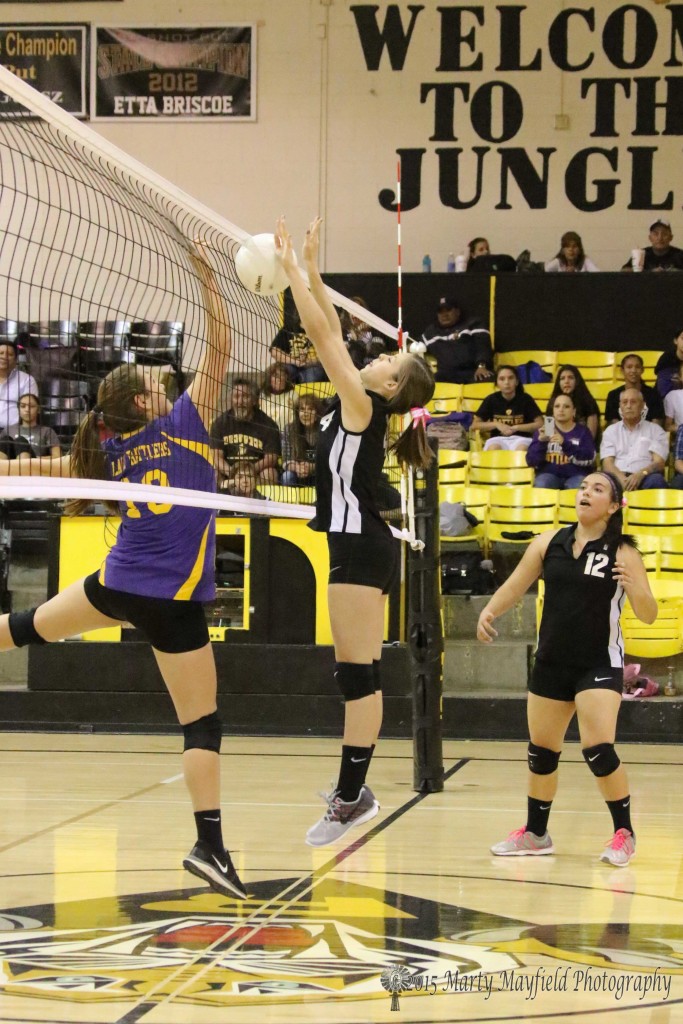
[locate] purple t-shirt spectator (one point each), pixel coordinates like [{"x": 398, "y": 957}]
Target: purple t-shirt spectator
[{"x": 575, "y": 454}]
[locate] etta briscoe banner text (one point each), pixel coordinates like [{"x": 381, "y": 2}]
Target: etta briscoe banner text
[
  {"x": 52, "y": 59},
  {"x": 493, "y": 114},
  {"x": 175, "y": 73}
]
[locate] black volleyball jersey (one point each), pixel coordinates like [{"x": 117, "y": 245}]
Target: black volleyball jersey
[
  {"x": 582, "y": 604},
  {"x": 348, "y": 467}
]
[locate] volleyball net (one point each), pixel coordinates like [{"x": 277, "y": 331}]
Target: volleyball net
[{"x": 98, "y": 271}]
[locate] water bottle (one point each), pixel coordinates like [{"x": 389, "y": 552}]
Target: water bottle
[
  {"x": 426, "y": 264},
  {"x": 450, "y": 266},
  {"x": 670, "y": 686}
]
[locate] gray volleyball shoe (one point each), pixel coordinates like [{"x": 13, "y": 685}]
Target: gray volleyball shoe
[{"x": 341, "y": 816}]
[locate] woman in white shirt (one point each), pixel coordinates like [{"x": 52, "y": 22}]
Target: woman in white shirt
[{"x": 571, "y": 259}]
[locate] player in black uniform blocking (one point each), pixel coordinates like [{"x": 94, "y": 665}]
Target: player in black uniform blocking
[
  {"x": 161, "y": 568},
  {"x": 589, "y": 569},
  {"x": 364, "y": 556}
]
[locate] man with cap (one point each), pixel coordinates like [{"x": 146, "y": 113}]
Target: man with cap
[
  {"x": 660, "y": 254},
  {"x": 13, "y": 383},
  {"x": 460, "y": 346}
]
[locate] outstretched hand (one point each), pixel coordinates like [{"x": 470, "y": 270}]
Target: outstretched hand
[
  {"x": 312, "y": 242},
  {"x": 283, "y": 246}
]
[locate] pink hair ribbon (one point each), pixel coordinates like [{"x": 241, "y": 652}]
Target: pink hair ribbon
[{"x": 419, "y": 415}]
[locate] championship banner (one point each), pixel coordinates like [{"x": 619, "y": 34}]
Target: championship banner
[
  {"x": 184, "y": 74},
  {"x": 51, "y": 58}
]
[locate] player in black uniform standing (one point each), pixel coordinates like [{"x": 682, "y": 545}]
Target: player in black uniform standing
[
  {"x": 589, "y": 569},
  {"x": 364, "y": 556}
]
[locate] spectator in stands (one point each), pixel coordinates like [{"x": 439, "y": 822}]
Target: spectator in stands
[
  {"x": 363, "y": 345},
  {"x": 278, "y": 397},
  {"x": 27, "y": 439},
  {"x": 299, "y": 443},
  {"x": 460, "y": 345},
  {"x": 564, "y": 458},
  {"x": 245, "y": 434},
  {"x": 293, "y": 348},
  {"x": 632, "y": 367},
  {"x": 677, "y": 479},
  {"x": 669, "y": 368},
  {"x": 13, "y": 383},
  {"x": 571, "y": 259},
  {"x": 244, "y": 482},
  {"x": 660, "y": 254},
  {"x": 509, "y": 414},
  {"x": 570, "y": 382},
  {"x": 634, "y": 450},
  {"x": 478, "y": 247},
  {"x": 673, "y": 410}
]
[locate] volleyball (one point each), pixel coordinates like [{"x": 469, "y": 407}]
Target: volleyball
[
  {"x": 258, "y": 267},
  {"x": 417, "y": 348}
]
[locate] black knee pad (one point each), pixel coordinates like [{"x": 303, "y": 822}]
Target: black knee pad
[
  {"x": 204, "y": 734},
  {"x": 541, "y": 760},
  {"x": 602, "y": 759},
  {"x": 355, "y": 681},
  {"x": 377, "y": 675},
  {"x": 22, "y": 630}
]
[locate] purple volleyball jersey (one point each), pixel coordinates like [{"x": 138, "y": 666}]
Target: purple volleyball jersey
[{"x": 164, "y": 550}]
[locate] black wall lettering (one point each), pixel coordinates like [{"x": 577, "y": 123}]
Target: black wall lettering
[
  {"x": 576, "y": 180},
  {"x": 392, "y": 35},
  {"x": 676, "y": 12},
  {"x": 605, "y": 102},
  {"x": 532, "y": 185},
  {"x": 641, "y": 181},
  {"x": 614, "y": 32},
  {"x": 453, "y": 38},
  {"x": 511, "y": 42},
  {"x": 444, "y": 107},
  {"x": 512, "y": 111},
  {"x": 647, "y": 105},
  {"x": 449, "y": 177},
  {"x": 411, "y": 182},
  {"x": 558, "y": 39}
]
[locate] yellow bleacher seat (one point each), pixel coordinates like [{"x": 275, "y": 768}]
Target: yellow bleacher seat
[
  {"x": 670, "y": 564},
  {"x": 544, "y": 357},
  {"x": 475, "y": 500},
  {"x": 442, "y": 389},
  {"x": 289, "y": 495},
  {"x": 648, "y": 545},
  {"x": 566, "y": 506},
  {"x": 522, "y": 518},
  {"x": 654, "y": 511},
  {"x": 598, "y": 375},
  {"x": 540, "y": 392},
  {"x": 649, "y": 357},
  {"x": 320, "y": 388},
  {"x": 479, "y": 390},
  {"x": 664, "y": 637},
  {"x": 494, "y": 468},
  {"x": 585, "y": 357},
  {"x": 452, "y": 466}
]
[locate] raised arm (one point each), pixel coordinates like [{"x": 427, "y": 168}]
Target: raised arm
[
  {"x": 46, "y": 465},
  {"x": 207, "y": 385},
  {"x": 322, "y": 326}
]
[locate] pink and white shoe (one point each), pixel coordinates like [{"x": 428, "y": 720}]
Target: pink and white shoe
[
  {"x": 524, "y": 844},
  {"x": 621, "y": 849}
]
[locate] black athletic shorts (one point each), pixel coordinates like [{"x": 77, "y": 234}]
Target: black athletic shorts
[
  {"x": 563, "y": 682},
  {"x": 367, "y": 560},
  {"x": 172, "y": 627}
]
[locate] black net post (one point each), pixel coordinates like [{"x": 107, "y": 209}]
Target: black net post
[{"x": 425, "y": 635}]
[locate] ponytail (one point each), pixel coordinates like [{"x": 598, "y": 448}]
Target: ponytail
[
  {"x": 415, "y": 389},
  {"x": 87, "y": 461}
]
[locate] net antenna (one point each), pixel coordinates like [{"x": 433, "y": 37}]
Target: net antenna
[{"x": 95, "y": 272}]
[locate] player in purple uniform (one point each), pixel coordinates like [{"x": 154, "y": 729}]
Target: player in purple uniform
[
  {"x": 589, "y": 569},
  {"x": 363, "y": 552},
  {"x": 162, "y": 565}
]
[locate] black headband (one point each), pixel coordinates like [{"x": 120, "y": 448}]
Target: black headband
[{"x": 615, "y": 492}]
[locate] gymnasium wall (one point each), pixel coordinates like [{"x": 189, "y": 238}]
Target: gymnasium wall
[{"x": 516, "y": 121}]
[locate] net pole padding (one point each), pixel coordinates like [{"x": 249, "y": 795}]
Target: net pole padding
[
  {"x": 425, "y": 635},
  {"x": 400, "y": 261},
  {"x": 83, "y": 134},
  {"x": 492, "y": 310}
]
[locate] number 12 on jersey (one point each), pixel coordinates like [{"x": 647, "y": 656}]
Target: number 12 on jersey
[{"x": 595, "y": 565}]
